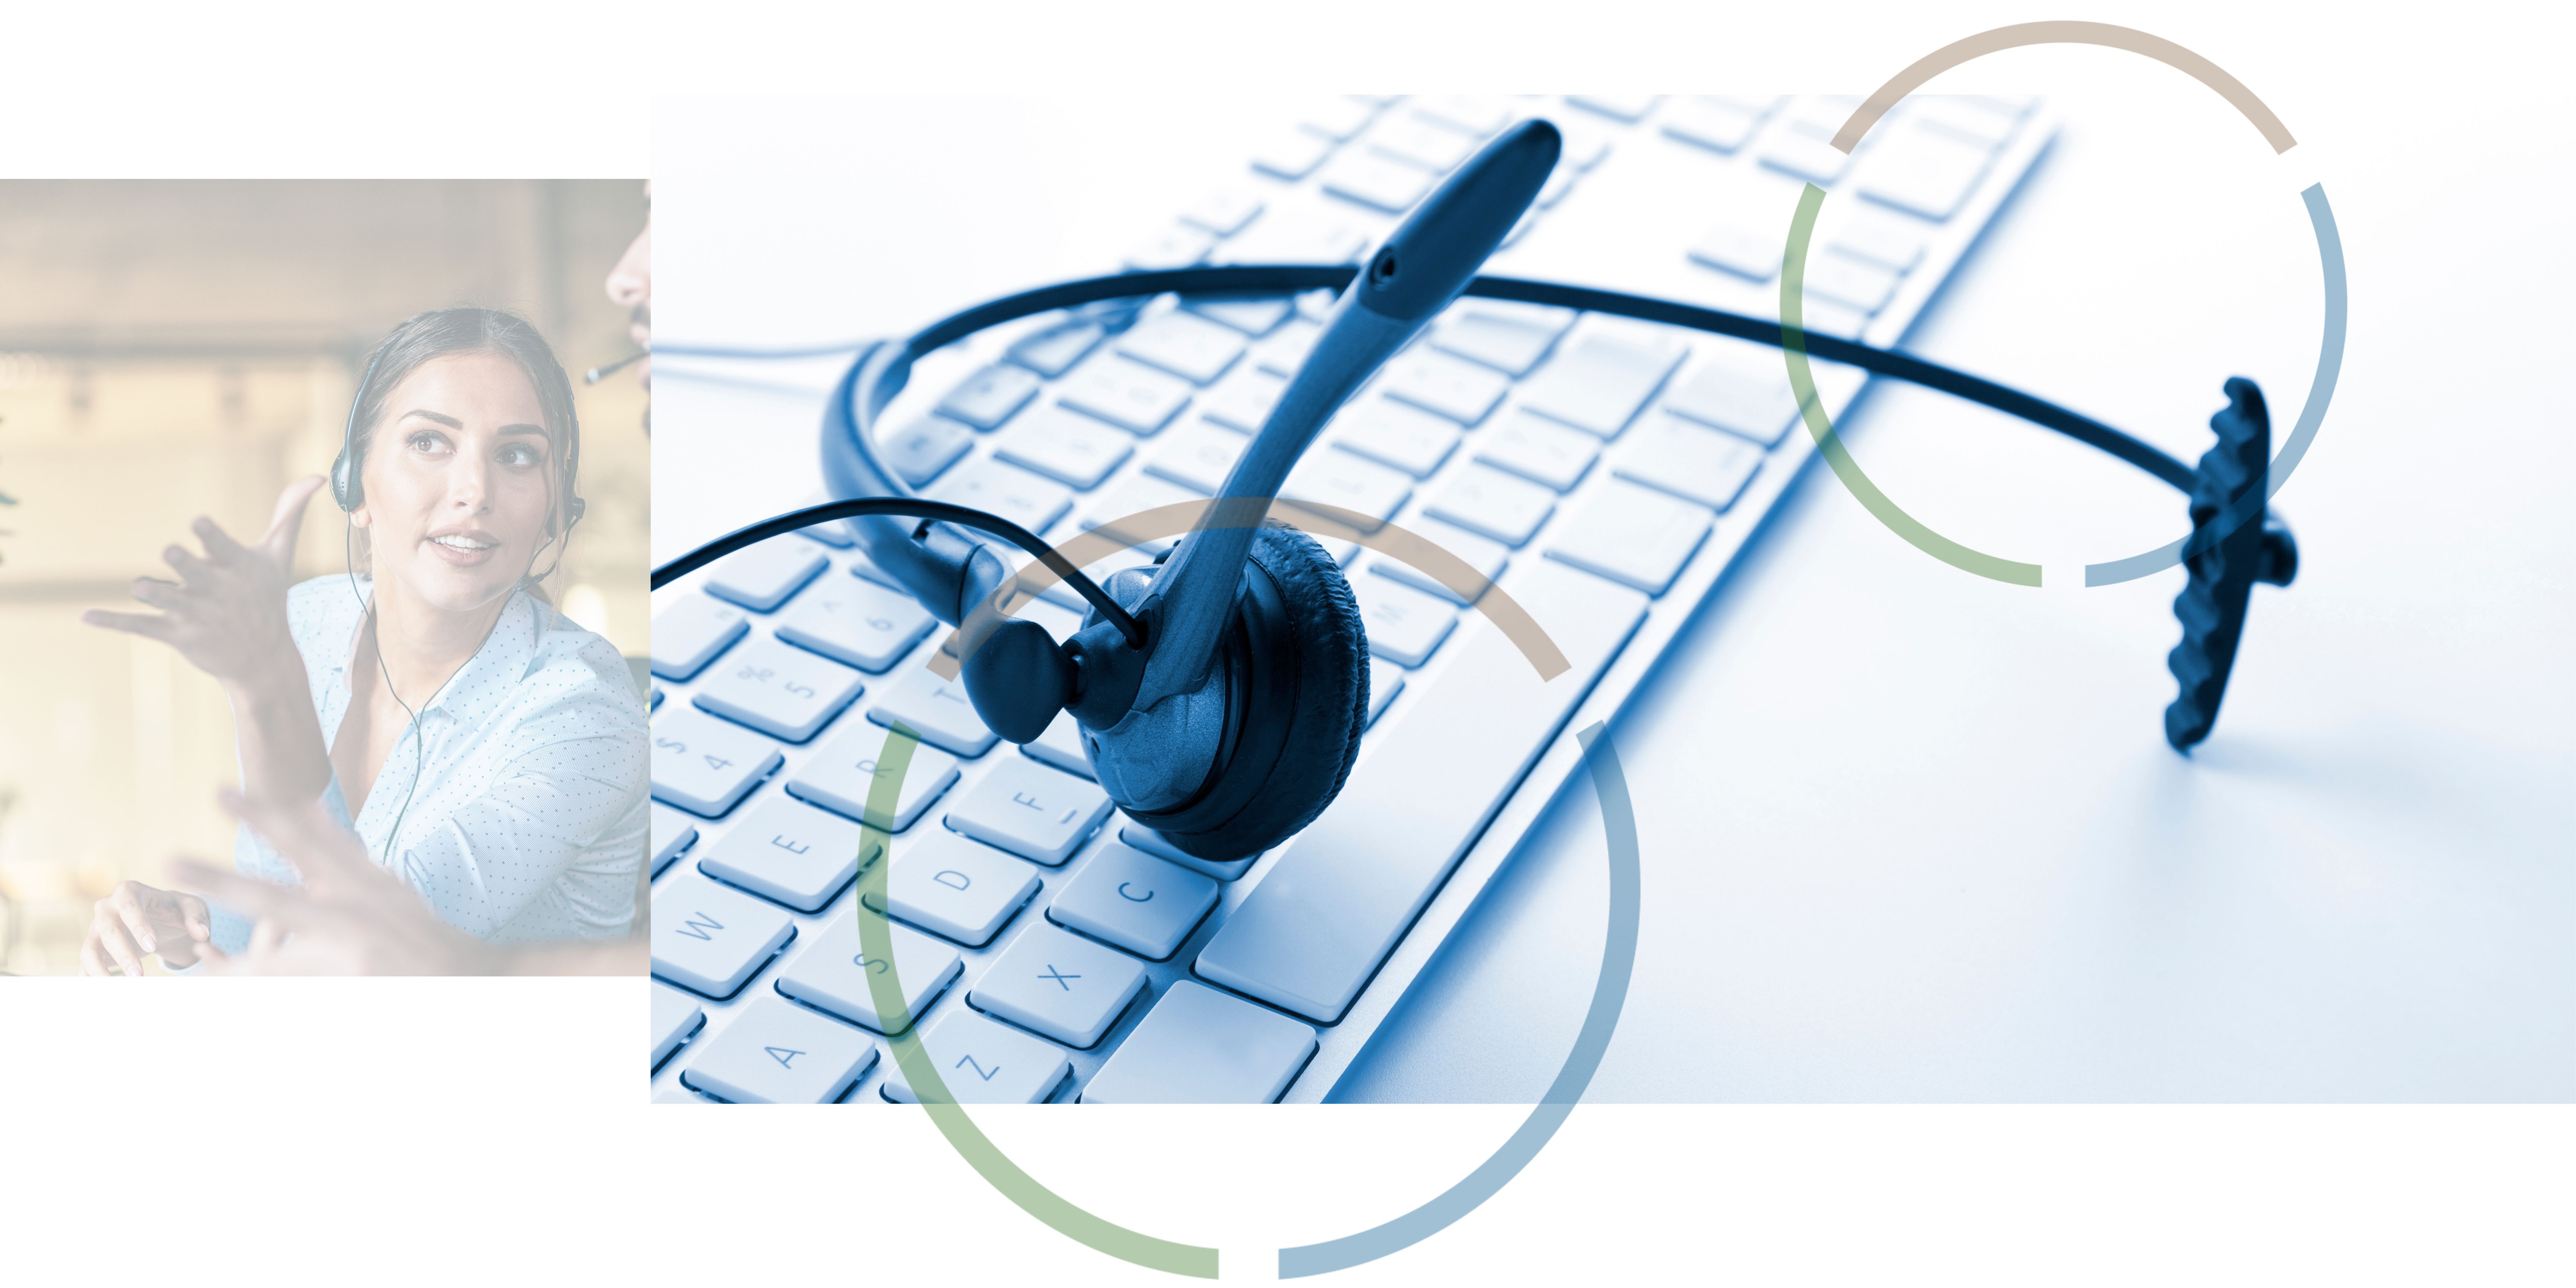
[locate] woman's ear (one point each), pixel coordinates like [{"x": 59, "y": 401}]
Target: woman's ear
[{"x": 359, "y": 518}]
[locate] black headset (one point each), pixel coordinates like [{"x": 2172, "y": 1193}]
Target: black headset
[
  {"x": 349, "y": 493},
  {"x": 1221, "y": 695}
]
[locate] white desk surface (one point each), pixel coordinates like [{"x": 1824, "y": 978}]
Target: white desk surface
[{"x": 1910, "y": 835}]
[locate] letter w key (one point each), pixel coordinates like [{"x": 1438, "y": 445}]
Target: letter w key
[{"x": 698, "y": 924}]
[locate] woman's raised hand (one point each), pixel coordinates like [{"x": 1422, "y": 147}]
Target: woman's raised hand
[
  {"x": 135, "y": 921},
  {"x": 227, "y": 612}
]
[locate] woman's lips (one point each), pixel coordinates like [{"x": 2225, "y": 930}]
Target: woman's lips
[{"x": 461, "y": 558}]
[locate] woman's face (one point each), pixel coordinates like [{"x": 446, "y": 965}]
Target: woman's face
[{"x": 458, "y": 480}]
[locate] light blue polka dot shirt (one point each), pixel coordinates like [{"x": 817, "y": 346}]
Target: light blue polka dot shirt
[{"x": 529, "y": 819}]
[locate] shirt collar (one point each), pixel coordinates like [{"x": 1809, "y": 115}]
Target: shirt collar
[{"x": 506, "y": 653}]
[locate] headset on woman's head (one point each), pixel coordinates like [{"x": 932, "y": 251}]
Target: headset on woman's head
[{"x": 1221, "y": 695}]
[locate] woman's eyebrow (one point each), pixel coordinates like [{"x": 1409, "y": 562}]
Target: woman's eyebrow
[
  {"x": 450, "y": 421},
  {"x": 538, "y": 430}
]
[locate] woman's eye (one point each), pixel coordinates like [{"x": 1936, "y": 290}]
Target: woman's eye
[
  {"x": 426, "y": 442},
  {"x": 519, "y": 455}
]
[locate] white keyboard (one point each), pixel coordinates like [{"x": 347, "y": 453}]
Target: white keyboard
[{"x": 1604, "y": 473}]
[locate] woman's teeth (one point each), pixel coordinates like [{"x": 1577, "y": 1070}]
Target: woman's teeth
[{"x": 464, "y": 543}]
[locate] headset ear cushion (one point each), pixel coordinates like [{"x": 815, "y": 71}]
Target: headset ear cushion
[{"x": 1326, "y": 709}]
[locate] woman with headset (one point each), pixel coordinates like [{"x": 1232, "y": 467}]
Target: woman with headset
[{"x": 482, "y": 748}]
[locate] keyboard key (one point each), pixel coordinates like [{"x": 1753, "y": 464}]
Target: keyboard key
[
  {"x": 1506, "y": 335},
  {"x": 1560, "y": 181},
  {"x": 1486, "y": 556},
  {"x": 1584, "y": 146},
  {"x": 1436, "y": 382},
  {"x": 1404, "y": 624},
  {"x": 1490, "y": 503},
  {"x": 1691, "y": 462},
  {"x": 703, "y": 764},
  {"x": 1042, "y": 815},
  {"x": 1063, "y": 986},
  {"x": 1863, "y": 286},
  {"x": 1184, "y": 344},
  {"x": 1140, "y": 493},
  {"x": 1977, "y": 120},
  {"x": 761, "y": 577},
  {"x": 1377, "y": 181},
  {"x": 1245, "y": 399},
  {"x": 1479, "y": 115},
  {"x": 1134, "y": 900},
  {"x": 1061, "y": 746},
  {"x": 1923, "y": 171},
  {"x": 1386, "y": 680},
  {"x": 1626, "y": 109},
  {"x": 1138, "y": 836},
  {"x": 709, "y": 939},
  {"x": 675, "y": 1019},
  {"x": 1721, "y": 125},
  {"x": 1338, "y": 119},
  {"x": 791, "y": 852},
  {"x": 856, "y": 622},
  {"x": 1745, "y": 393},
  {"x": 923, "y": 450},
  {"x": 1392, "y": 433},
  {"x": 1223, "y": 213},
  {"x": 980, "y": 1062},
  {"x": 1304, "y": 238},
  {"x": 673, "y": 834},
  {"x": 777, "y": 1053},
  {"x": 688, "y": 635},
  {"x": 782, "y": 692},
  {"x": 1293, "y": 155},
  {"x": 678, "y": 1093},
  {"x": 1178, "y": 246},
  {"x": 1072, "y": 449},
  {"x": 1251, "y": 317},
  {"x": 936, "y": 710},
  {"x": 1539, "y": 450},
  {"x": 1893, "y": 242},
  {"x": 987, "y": 398},
  {"x": 1419, "y": 141},
  {"x": 1133, "y": 397},
  {"x": 1007, "y": 490},
  {"x": 1328, "y": 910},
  {"x": 1806, "y": 150},
  {"x": 1283, "y": 353},
  {"x": 844, "y": 775},
  {"x": 1748, "y": 253},
  {"x": 832, "y": 973},
  {"x": 950, "y": 885},
  {"x": 1343, "y": 480},
  {"x": 1198, "y": 455},
  {"x": 1052, "y": 351},
  {"x": 1601, "y": 383},
  {"x": 1200, "y": 1047},
  {"x": 1631, "y": 535}
]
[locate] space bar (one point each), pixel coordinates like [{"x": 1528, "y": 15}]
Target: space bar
[{"x": 1307, "y": 938}]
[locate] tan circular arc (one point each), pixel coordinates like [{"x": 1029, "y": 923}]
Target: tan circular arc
[
  {"x": 2063, "y": 33},
  {"x": 1396, "y": 542}
]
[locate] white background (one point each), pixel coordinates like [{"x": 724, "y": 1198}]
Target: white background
[{"x": 2390, "y": 799}]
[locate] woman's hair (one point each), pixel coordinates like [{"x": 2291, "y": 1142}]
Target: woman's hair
[{"x": 440, "y": 333}]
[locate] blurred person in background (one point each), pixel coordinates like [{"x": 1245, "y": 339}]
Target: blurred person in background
[
  {"x": 485, "y": 750},
  {"x": 630, "y": 287}
]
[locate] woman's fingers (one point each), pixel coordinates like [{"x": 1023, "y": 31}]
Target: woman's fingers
[
  {"x": 113, "y": 939},
  {"x": 127, "y": 900},
  {"x": 164, "y": 595},
  {"x": 184, "y": 562},
  {"x": 215, "y": 961},
  {"x": 195, "y": 919},
  {"x": 148, "y": 625},
  {"x": 220, "y": 546},
  {"x": 91, "y": 962},
  {"x": 303, "y": 833},
  {"x": 249, "y": 894},
  {"x": 288, "y": 521}
]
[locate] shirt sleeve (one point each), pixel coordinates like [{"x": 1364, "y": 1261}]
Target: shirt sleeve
[{"x": 549, "y": 827}]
